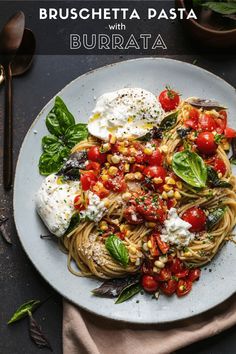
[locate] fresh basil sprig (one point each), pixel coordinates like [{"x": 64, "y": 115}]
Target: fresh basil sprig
[
  {"x": 214, "y": 180},
  {"x": 128, "y": 292},
  {"x": 214, "y": 217},
  {"x": 74, "y": 222},
  {"x": 117, "y": 249},
  {"x": 24, "y": 310},
  {"x": 64, "y": 135},
  {"x": 169, "y": 121},
  {"x": 221, "y": 7},
  {"x": 114, "y": 287},
  {"x": 190, "y": 167}
]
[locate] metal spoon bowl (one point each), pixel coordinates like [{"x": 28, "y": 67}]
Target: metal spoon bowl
[{"x": 24, "y": 55}]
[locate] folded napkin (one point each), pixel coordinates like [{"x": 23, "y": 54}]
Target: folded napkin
[{"x": 85, "y": 333}]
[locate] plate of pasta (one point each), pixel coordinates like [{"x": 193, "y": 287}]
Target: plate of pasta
[{"x": 130, "y": 195}]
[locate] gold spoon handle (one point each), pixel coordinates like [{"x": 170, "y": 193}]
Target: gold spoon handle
[{"x": 7, "y": 154}]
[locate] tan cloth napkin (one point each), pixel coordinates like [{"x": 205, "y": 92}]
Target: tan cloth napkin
[{"x": 85, "y": 333}]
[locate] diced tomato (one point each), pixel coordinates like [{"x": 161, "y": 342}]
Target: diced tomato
[
  {"x": 182, "y": 274},
  {"x": 176, "y": 266},
  {"x": 94, "y": 154},
  {"x": 149, "y": 283},
  {"x": 206, "y": 143},
  {"x": 132, "y": 216},
  {"x": 121, "y": 235},
  {"x": 154, "y": 250},
  {"x": 169, "y": 99},
  {"x": 151, "y": 211},
  {"x": 169, "y": 287},
  {"x": 87, "y": 179},
  {"x": 140, "y": 157},
  {"x": 192, "y": 120},
  {"x": 171, "y": 202},
  {"x": 194, "y": 274},
  {"x": 147, "y": 268},
  {"x": 101, "y": 191},
  {"x": 155, "y": 171},
  {"x": 116, "y": 184},
  {"x": 196, "y": 217},
  {"x": 94, "y": 166},
  {"x": 207, "y": 122},
  {"x": 220, "y": 166},
  {"x": 137, "y": 167},
  {"x": 80, "y": 204},
  {"x": 230, "y": 133},
  {"x": 164, "y": 275},
  {"x": 164, "y": 247},
  {"x": 155, "y": 159},
  {"x": 183, "y": 287},
  {"x": 221, "y": 122}
]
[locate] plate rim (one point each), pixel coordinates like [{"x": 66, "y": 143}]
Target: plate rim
[{"x": 39, "y": 115}]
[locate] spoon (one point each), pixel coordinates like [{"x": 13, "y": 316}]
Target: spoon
[
  {"x": 24, "y": 55},
  {"x": 10, "y": 40}
]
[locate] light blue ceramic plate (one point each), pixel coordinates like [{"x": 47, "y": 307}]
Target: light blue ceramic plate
[{"x": 152, "y": 74}]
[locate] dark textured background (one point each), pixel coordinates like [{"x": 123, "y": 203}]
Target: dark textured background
[{"x": 19, "y": 281}]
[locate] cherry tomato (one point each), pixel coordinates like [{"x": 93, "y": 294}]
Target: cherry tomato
[
  {"x": 94, "y": 154},
  {"x": 87, "y": 179},
  {"x": 206, "y": 144},
  {"x": 154, "y": 250},
  {"x": 151, "y": 211},
  {"x": 194, "y": 274},
  {"x": 221, "y": 122},
  {"x": 183, "y": 287},
  {"x": 94, "y": 166},
  {"x": 132, "y": 216},
  {"x": 169, "y": 287},
  {"x": 79, "y": 204},
  {"x": 169, "y": 99},
  {"x": 176, "y": 265},
  {"x": 192, "y": 121},
  {"x": 230, "y": 133},
  {"x": 155, "y": 171},
  {"x": 219, "y": 166},
  {"x": 164, "y": 275},
  {"x": 207, "y": 123},
  {"x": 137, "y": 167},
  {"x": 155, "y": 159},
  {"x": 116, "y": 184},
  {"x": 140, "y": 157},
  {"x": 171, "y": 202},
  {"x": 196, "y": 217},
  {"x": 164, "y": 247},
  {"x": 149, "y": 283},
  {"x": 182, "y": 274}
]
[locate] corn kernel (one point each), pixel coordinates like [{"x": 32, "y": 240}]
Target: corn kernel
[
  {"x": 130, "y": 177},
  {"x": 113, "y": 170},
  {"x": 167, "y": 188},
  {"x": 155, "y": 269},
  {"x": 113, "y": 139},
  {"x": 220, "y": 175},
  {"x": 133, "y": 260},
  {"x": 133, "y": 151},
  {"x": 103, "y": 226},
  {"x": 109, "y": 157},
  {"x": 137, "y": 263},
  {"x": 128, "y": 232},
  {"x": 145, "y": 247},
  {"x": 138, "y": 175},
  {"x": 151, "y": 225},
  {"x": 123, "y": 150},
  {"x": 163, "y": 259},
  {"x": 115, "y": 159},
  {"x": 126, "y": 196},
  {"x": 226, "y": 145},
  {"x": 170, "y": 181},
  {"x": 105, "y": 147},
  {"x": 126, "y": 167},
  {"x": 105, "y": 177},
  {"x": 170, "y": 194},
  {"x": 107, "y": 203},
  {"x": 159, "y": 264},
  {"x": 131, "y": 159},
  {"x": 157, "y": 180},
  {"x": 132, "y": 250},
  {"x": 177, "y": 195},
  {"x": 179, "y": 185},
  {"x": 149, "y": 244},
  {"x": 148, "y": 151},
  {"x": 164, "y": 195}
]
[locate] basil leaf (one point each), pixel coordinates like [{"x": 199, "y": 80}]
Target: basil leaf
[
  {"x": 74, "y": 222},
  {"x": 214, "y": 217},
  {"x": 75, "y": 134},
  {"x": 190, "y": 167},
  {"x": 59, "y": 118},
  {"x": 232, "y": 160},
  {"x": 37, "y": 335},
  {"x": 128, "y": 292},
  {"x": 113, "y": 287},
  {"x": 51, "y": 144},
  {"x": 52, "y": 163},
  {"x": 154, "y": 133},
  {"x": 214, "y": 180},
  {"x": 223, "y": 8},
  {"x": 23, "y": 310},
  {"x": 169, "y": 121},
  {"x": 117, "y": 249}
]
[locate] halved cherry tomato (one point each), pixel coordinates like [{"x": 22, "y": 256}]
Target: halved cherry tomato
[
  {"x": 194, "y": 274},
  {"x": 132, "y": 216},
  {"x": 192, "y": 120},
  {"x": 169, "y": 287},
  {"x": 230, "y": 133},
  {"x": 94, "y": 154},
  {"x": 183, "y": 287},
  {"x": 169, "y": 99},
  {"x": 116, "y": 184},
  {"x": 207, "y": 123},
  {"x": 164, "y": 247},
  {"x": 79, "y": 204},
  {"x": 196, "y": 217},
  {"x": 94, "y": 166},
  {"x": 164, "y": 275},
  {"x": 149, "y": 283},
  {"x": 221, "y": 122},
  {"x": 87, "y": 179},
  {"x": 182, "y": 274},
  {"x": 206, "y": 144},
  {"x": 220, "y": 166},
  {"x": 155, "y": 159},
  {"x": 194, "y": 114},
  {"x": 176, "y": 266},
  {"x": 155, "y": 171}
]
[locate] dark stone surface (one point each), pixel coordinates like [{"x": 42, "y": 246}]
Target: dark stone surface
[{"x": 19, "y": 281}]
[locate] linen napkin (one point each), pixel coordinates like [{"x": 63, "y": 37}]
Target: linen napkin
[{"x": 85, "y": 333}]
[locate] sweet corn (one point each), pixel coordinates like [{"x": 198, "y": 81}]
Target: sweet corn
[
  {"x": 132, "y": 250},
  {"x": 148, "y": 151},
  {"x": 164, "y": 195},
  {"x": 170, "y": 194},
  {"x": 170, "y": 180},
  {"x": 109, "y": 158},
  {"x": 126, "y": 167},
  {"x": 167, "y": 187},
  {"x": 105, "y": 147},
  {"x": 105, "y": 177},
  {"x": 123, "y": 150},
  {"x": 177, "y": 195},
  {"x": 103, "y": 226},
  {"x": 225, "y": 145},
  {"x": 163, "y": 259},
  {"x": 159, "y": 264},
  {"x": 130, "y": 176},
  {"x": 133, "y": 260},
  {"x": 128, "y": 232},
  {"x": 155, "y": 269},
  {"x": 145, "y": 247},
  {"x": 137, "y": 263},
  {"x": 131, "y": 159},
  {"x": 113, "y": 139},
  {"x": 149, "y": 244},
  {"x": 133, "y": 151},
  {"x": 126, "y": 196},
  {"x": 115, "y": 159},
  {"x": 151, "y": 225},
  {"x": 138, "y": 175},
  {"x": 113, "y": 170},
  {"x": 107, "y": 203},
  {"x": 157, "y": 180},
  {"x": 220, "y": 175},
  {"x": 179, "y": 185}
]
